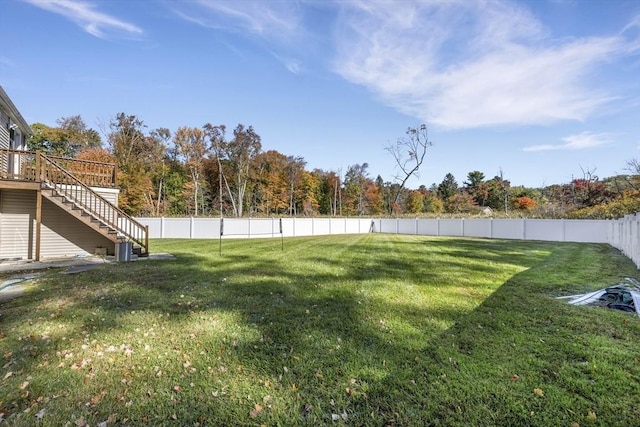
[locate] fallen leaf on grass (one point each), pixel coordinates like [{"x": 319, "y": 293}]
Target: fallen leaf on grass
[
  {"x": 255, "y": 411},
  {"x": 40, "y": 414},
  {"x": 9, "y": 374},
  {"x": 97, "y": 398},
  {"x": 24, "y": 385},
  {"x": 591, "y": 415},
  {"x": 538, "y": 392}
]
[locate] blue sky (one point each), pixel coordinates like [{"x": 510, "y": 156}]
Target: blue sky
[{"x": 541, "y": 89}]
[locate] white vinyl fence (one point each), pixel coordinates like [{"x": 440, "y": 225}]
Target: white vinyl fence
[{"x": 623, "y": 234}]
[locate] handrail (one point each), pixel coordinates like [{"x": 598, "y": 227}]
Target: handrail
[{"x": 65, "y": 183}]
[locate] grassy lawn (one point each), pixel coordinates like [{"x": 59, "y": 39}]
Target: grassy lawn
[{"x": 368, "y": 330}]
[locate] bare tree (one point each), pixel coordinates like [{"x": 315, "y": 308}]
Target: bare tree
[{"x": 409, "y": 153}]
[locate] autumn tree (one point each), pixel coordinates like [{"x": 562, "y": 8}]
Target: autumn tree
[
  {"x": 238, "y": 154},
  {"x": 409, "y": 153},
  {"x": 191, "y": 146},
  {"x": 415, "y": 202},
  {"x": 329, "y": 192},
  {"x": 476, "y": 186},
  {"x": 499, "y": 193},
  {"x": 294, "y": 172},
  {"x": 310, "y": 187},
  {"x": 460, "y": 202},
  {"x": 524, "y": 203},
  {"x": 270, "y": 192},
  {"x": 135, "y": 156},
  {"x": 66, "y": 140},
  {"x": 355, "y": 184},
  {"x": 78, "y": 134},
  {"x": 432, "y": 203}
]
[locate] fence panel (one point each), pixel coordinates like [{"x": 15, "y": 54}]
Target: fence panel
[
  {"x": 176, "y": 228},
  {"x": 585, "y": 231},
  {"x": 508, "y": 229},
  {"x": 406, "y": 226},
  {"x": 545, "y": 229},
  {"x": 428, "y": 227},
  {"x": 478, "y": 228},
  {"x": 205, "y": 228}
]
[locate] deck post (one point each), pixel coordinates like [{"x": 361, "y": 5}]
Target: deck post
[
  {"x": 146, "y": 238},
  {"x": 38, "y": 222}
]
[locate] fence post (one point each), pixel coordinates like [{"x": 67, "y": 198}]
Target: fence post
[{"x": 191, "y": 225}]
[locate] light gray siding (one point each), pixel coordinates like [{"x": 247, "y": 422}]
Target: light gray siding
[
  {"x": 4, "y": 130},
  {"x": 62, "y": 235},
  {"x": 17, "y": 224},
  {"x": 111, "y": 194}
]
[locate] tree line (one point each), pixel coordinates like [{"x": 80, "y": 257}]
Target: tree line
[{"x": 216, "y": 170}]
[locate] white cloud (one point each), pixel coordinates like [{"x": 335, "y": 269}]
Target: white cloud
[
  {"x": 85, "y": 15},
  {"x": 279, "y": 23},
  {"x": 575, "y": 142},
  {"x": 269, "y": 19},
  {"x": 464, "y": 63}
]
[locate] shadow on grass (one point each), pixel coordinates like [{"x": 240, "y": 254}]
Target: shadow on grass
[{"x": 316, "y": 334}]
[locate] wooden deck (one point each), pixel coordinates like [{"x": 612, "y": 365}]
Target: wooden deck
[{"x": 70, "y": 183}]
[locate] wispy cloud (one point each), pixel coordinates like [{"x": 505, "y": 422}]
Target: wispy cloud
[
  {"x": 466, "y": 63},
  {"x": 277, "y": 20},
  {"x": 277, "y": 23},
  {"x": 86, "y": 16},
  {"x": 575, "y": 142}
]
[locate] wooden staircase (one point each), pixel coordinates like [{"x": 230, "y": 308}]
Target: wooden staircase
[{"x": 65, "y": 190}]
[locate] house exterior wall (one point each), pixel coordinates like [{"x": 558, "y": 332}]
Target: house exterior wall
[
  {"x": 111, "y": 194},
  {"x": 61, "y": 234},
  {"x": 4, "y": 130},
  {"x": 17, "y": 219}
]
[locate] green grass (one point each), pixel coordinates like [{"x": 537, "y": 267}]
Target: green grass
[{"x": 368, "y": 330}]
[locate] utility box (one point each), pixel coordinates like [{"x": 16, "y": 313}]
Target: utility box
[{"x": 124, "y": 251}]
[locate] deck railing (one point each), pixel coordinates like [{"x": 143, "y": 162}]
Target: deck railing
[{"x": 16, "y": 164}]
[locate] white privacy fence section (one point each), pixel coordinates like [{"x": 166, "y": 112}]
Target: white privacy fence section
[
  {"x": 623, "y": 234},
  {"x": 209, "y": 228},
  {"x": 562, "y": 230}
]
